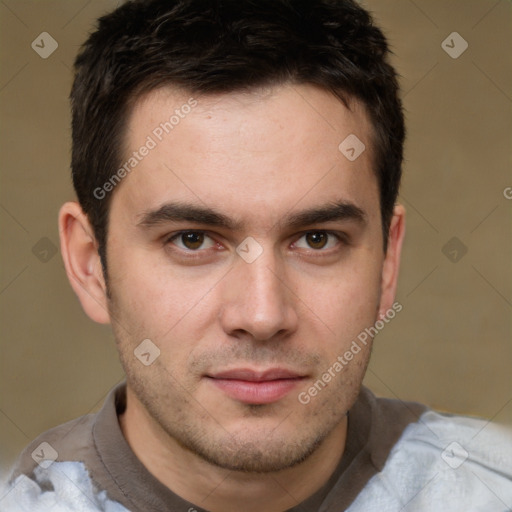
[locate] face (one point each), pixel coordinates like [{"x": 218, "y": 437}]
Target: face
[{"x": 248, "y": 249}]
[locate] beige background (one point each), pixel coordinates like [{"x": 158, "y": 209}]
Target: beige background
[{"x": 450, "y": 346}]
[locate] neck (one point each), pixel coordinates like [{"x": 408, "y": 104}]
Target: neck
[{"x": 220, "y": 490}]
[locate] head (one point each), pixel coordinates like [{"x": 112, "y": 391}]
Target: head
[{"x": 219, "y": 218}]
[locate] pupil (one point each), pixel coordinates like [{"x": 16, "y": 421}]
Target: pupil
[
  {"x": 317, "y": 240},
  {"x": 193, "y": 240}
]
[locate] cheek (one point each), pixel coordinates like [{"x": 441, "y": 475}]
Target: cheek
[
  {"x": 153, "y": 300},
  {"x": 145, "y": 283},
  {"x": 347, "y": 300},
  {"x": 348, "y": 313}
]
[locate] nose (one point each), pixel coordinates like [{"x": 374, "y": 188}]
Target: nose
[{"x": 258, "y": 302}]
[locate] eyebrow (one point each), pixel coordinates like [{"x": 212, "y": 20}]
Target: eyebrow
[
  {"x": 187, "y": 212},
  {"x": 336, "y": 211}
]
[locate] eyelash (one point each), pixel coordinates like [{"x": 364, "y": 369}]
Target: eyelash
[{"x": 198, "y": 253}]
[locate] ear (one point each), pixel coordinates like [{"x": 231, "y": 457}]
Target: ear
[
  {"x": 82, "y": 261},
  {"x": 391, "y": 263}
]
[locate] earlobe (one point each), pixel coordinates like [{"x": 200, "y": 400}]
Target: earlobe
[
  {"x": 82, "y": 261},
  {"x": 391, "y": 263}
]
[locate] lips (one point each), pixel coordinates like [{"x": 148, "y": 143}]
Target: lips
[{"x": 256, "y": 387}]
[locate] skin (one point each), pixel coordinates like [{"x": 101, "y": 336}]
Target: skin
[{"x": 256, "y": 157}]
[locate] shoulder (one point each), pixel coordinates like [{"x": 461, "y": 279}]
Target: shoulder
[
  {"x": 74, "y": 441},
  {"x": 64, "y": 465},
  {"x": 444, "y": 462},
  {"x": 71, "y": 441},
  {"x": 61, "y": 486}
]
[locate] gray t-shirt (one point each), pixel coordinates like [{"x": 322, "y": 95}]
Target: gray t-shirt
[
  {"x": 374, "y": 426},
  {"x": 399, "y": 456}
]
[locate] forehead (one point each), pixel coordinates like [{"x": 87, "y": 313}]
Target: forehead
[{"x": 254, "y": 154}]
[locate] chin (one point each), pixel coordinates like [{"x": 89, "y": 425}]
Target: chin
[{"x": 262, "y": 456}]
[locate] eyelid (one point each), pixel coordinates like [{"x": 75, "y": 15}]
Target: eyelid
[
  {"x": 341, "y": 237},
  {"x": 170, "y": 238}
]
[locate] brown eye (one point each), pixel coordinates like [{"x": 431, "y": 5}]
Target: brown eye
[
  {"x": 192, "y": 240},
  {"x": 320, "y": 241},
  {"x": 317, "y": 239}
]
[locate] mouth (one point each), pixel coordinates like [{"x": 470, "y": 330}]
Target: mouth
[{"x": 256, "y": 387}]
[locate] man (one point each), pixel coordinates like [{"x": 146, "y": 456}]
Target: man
[{"x": 237, "y": 166}]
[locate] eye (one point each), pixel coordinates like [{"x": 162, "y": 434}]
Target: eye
[
  {"x": 318, "y": 240},
  {"x": 192, "y": 240}
]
